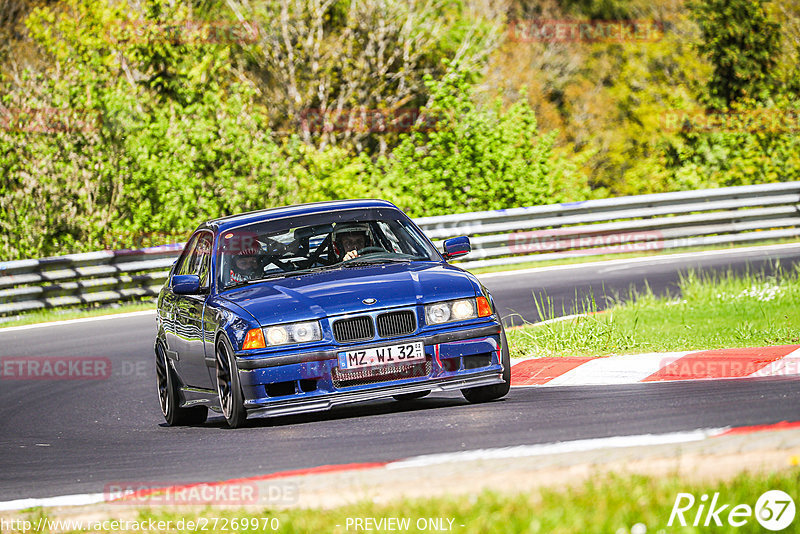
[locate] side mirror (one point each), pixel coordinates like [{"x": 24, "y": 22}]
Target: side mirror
[
  {"x": 186, "y": 284},
  {"x": 456, "y": 247}
]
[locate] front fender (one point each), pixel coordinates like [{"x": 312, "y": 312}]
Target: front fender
[{"x": 230, "y": 319}]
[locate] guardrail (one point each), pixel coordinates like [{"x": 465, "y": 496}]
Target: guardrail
[
  {"x": 503, "y": 237},
  {"x": 79, "y": 279},
  {"x": 625, "y": 224}
]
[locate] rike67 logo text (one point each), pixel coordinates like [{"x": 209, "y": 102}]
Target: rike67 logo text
[{"x": 774, "y": 510}]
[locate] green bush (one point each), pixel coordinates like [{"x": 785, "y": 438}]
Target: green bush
[{"x": 462, "y": 157}]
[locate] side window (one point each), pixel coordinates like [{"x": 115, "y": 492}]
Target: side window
[
  {"x": 389, "y": 234},
  {"x": 413, "y": 239},
  {"x": 203, "y": 255},
  {"x": 197, "y": 257},
  {"x": 185, "y": 259}
]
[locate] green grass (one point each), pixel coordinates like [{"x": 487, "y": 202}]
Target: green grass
[
  {"x": 604, "y": 504},
  {"x": 621, "y": 256},
  {"x": 62, "y": 314},
  {"x": 713, "y": 312}
]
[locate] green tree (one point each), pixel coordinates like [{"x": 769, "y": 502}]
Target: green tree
[
  {"x": 743, "y": 44},
  {"x": 747, "y": 133},
  {"x": 129, "y": 134},
  {"x": 467, "y": 158},
  {"x": 138, "y": 123},
  {"x": 333, "y": 61}
]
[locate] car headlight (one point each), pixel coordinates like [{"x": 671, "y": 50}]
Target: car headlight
[
  {"x": 437, "y": 313},
  {"x": 305, "y": 332},
  {"x": 277, "y": 335},
  {"x": 463, "y": 309},
  {"x": 457, "y": 310},
  {"x": 293, "y": 333}
]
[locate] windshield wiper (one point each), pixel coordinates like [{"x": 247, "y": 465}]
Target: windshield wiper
[
  {"x": 375, "y": 261},
  {"x": 335, "y": 267},
  {"x": 270, "y": 277},
  {"x": 273, "y": 276},
  {"x": 287, "y": 274}
]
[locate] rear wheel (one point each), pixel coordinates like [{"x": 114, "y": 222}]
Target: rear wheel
[
  {"x": 170, "y": 398},
  {"x": 495, "y": 391},
  {"x": 229, "y": 389},
  {"x": 410, "y": 396}
]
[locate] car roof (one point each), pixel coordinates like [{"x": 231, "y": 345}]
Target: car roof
[{"x": 231, "y": 221}]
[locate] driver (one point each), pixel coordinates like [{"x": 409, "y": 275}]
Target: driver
[
  {"x": 244, "y": 265},
  {"x": 349, "y": 238}
]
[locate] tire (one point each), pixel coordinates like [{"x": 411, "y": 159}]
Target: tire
[
  {"x": 169, "y": 395},
  {"x": 231, "y": 399},
  {"x": 411, "y": 396},
  {"x": 495, "y": 391}
]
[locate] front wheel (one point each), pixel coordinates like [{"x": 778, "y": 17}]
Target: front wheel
[
  {"x": 229, "y": 389},
  {"x": 495, "y": 391},
  {"x": 169, "y": 395}
]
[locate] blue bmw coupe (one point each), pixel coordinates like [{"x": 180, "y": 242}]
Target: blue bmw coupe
[{"x": 303, "y": 308}]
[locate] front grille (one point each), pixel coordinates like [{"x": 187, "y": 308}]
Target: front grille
[
  {"x": 396, "y": 323},
  {"x": 384, "y": 373},
  {"x": 355, "y": 329}
]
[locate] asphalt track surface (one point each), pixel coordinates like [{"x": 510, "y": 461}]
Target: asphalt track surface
[{"x": 67, "y": 437}]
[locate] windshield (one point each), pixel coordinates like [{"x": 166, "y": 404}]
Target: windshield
[{"x": 335, "y": 240}]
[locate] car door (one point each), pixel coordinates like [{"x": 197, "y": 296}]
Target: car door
[
  {"x": 168, "y": 305},
  {"x": 188, "y": 314}
]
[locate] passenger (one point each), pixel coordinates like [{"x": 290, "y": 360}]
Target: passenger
[{"x": 245, "y": 265}]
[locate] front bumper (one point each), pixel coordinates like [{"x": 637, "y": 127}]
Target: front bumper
[
  {"x": 492, "y": 329},
  {"x": 311, "y": 381},
  {"x": 326, "y": 402}
]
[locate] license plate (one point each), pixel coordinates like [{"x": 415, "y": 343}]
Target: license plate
[{"x": 391, "y": 354}]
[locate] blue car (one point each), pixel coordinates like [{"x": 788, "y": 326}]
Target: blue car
[{"x": 302, "y": 308}]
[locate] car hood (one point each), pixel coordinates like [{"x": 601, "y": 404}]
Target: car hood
[{"x": 342, "y": 291}]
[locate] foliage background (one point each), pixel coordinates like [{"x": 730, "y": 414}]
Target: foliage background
[{"x": 125, "y": 122}]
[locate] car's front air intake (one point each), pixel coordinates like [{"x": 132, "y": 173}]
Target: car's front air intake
[
  {"x": 396, "y": 323},
  {"x": 354, "y": 329}
]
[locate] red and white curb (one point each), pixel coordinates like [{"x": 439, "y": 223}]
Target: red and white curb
[
  {"x": 783, "y": 360},
  {"x": 500, "y": 453}
]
